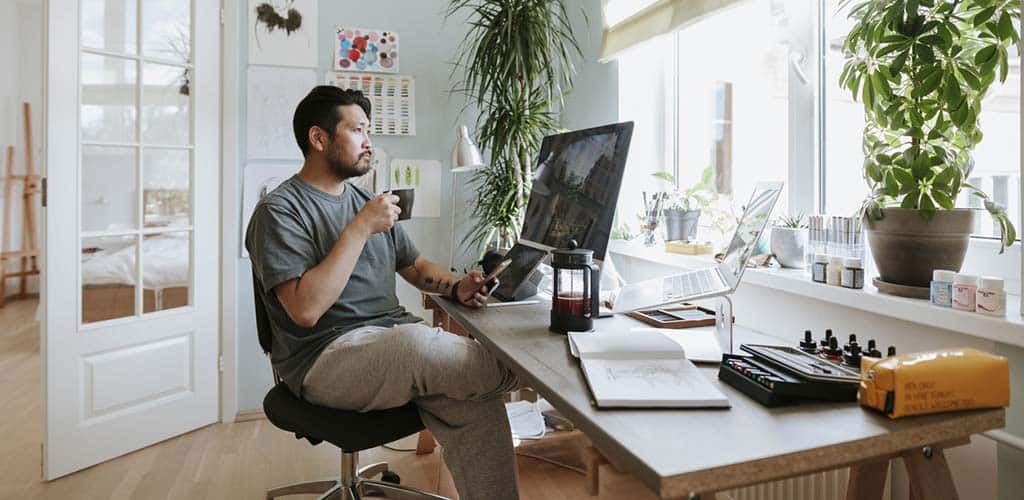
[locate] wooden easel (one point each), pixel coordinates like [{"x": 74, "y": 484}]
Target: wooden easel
[{"x": 30, "y": 249}]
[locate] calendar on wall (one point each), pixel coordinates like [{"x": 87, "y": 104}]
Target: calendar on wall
[{"x": 393, "y": 100}]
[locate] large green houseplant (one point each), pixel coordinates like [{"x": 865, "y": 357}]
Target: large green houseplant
[
  {"x": 921, "y": 69},
  {"x": 516, "y": 62}
]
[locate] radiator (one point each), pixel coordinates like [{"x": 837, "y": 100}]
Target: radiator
[{"x": 829, "y": 485}]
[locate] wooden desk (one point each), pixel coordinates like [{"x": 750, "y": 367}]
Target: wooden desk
[{"x": 687, "y": 453}]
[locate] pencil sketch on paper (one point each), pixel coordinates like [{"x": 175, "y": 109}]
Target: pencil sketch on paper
[{"x": 272, "y": 97}]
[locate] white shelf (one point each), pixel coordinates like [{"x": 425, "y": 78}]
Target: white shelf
[{"x": 1008, "y": 330}]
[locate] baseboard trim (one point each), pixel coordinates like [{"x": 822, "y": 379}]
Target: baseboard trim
[{"x": 249, "y": 415}]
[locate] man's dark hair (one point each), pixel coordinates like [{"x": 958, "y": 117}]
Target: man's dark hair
[{"x": 321, "y": 108}]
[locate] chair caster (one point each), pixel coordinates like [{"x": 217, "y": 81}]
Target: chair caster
[{"x": 390, "y": 477}]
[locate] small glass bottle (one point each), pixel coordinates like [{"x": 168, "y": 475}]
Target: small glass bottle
[
  {"x": 965, "y": 287},
  {"x": 991, "y": 299},
  {"x": 942, "y": 287},
  {"x": 853, "y": 273},
  {"x": 819, "y": 268},
  {"x": 834, "y": 272}
]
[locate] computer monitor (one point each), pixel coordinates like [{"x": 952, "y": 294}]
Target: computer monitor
[{"x": 576, "y": 187}]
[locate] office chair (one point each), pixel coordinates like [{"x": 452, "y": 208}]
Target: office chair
[{"x": 350, "y": 431}]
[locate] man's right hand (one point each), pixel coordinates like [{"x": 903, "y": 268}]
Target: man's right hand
[{"x": 379, "y": 214}]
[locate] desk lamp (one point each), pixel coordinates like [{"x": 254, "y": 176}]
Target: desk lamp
[{"x": 466, "y": 157}]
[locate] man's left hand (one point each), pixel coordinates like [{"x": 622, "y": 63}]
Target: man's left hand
[{"x": 471, "y": 290}]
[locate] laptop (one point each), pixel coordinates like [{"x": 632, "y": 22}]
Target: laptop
[{"x": 720, "y": 279}]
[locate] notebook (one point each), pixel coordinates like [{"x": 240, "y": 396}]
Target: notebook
[
  {"x": 642, "y": 369},
  {"x": 699, "y": 344}
]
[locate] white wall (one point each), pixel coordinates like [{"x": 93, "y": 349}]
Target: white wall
[{"x": 21, "y": 50}]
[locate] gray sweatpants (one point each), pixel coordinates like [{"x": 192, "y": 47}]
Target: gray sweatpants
[{"x": 454, "y": 381}]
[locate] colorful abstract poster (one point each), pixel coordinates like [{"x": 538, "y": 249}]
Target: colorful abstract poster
[
  {"x": 392, "y": 100},
  {"x": 357, "y": 49},
  {"x": 283, "y": 33},
  {"x": 422, "y": 175}
]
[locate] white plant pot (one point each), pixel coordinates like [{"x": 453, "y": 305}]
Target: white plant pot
[{"x": 788, "y": 245}]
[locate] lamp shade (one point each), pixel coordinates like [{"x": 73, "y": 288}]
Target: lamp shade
[{"x": 465, "y": 155}]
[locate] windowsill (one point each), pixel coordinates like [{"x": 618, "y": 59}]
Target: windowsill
[{"x": 1008, "y": 330}]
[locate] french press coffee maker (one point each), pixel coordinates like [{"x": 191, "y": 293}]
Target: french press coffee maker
[{"x": 576, "y": 299}]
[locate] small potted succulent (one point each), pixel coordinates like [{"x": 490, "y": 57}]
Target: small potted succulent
[
  {"x": 789, "y": 240},
  {"x": 683, "y": 208}
]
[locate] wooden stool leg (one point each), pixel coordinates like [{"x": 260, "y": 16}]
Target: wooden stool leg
[
  {"x": 929, "y": 474},
  {"x": 867, "y": 480}
]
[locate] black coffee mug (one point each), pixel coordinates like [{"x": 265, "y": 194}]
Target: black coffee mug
[{"x": 405, "y": 199}]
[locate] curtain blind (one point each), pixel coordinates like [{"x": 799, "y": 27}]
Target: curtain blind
[{"x": 658, "y": 18}]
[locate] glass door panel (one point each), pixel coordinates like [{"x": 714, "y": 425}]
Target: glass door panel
[
  {"x": 166, "y": 270},
  {"x": 165, "y": 105},
  {"x": 110, "y": 25},
  {"x": 109, "y": 194},
  {"x": 166, "y": 32},
  {"x": 108, "y": 98},
  {"x": 165, "y": 188},
  {"x": 108, "y": 277}
]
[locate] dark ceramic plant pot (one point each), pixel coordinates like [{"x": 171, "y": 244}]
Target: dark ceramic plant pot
[
  {"x": 681, "y": 224},
  {"x": 907, "y": 247}
]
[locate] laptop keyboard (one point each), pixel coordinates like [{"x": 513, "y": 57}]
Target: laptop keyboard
[{"x": 690, "y": 284}]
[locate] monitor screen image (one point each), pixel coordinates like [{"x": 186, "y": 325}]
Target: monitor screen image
[{"x": 576, "y": 187}]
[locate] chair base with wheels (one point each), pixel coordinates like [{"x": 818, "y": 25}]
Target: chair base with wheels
[
  {"x": 355, "y": 484},
  {"x": 351, "y": 431}
]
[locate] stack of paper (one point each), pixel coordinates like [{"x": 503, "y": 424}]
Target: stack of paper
[
  {"x": 641, "y": 369},
  {"x": 526, "y": 420}
]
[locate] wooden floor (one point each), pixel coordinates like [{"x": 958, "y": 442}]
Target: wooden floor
[{"x": 221, "y": 461}]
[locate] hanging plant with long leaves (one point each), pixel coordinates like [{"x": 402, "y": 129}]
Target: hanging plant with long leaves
[
  {"x": 921, "y": 69},
  {"x": 516, "y": 65}
]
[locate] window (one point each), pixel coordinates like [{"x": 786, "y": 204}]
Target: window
[{"x": 697, "y": 105}]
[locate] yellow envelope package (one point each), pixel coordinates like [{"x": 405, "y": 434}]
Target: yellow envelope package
[{"x": 935, "y": 382}]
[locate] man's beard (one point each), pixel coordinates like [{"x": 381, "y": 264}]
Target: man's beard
[{"x": 346, "y": 170}]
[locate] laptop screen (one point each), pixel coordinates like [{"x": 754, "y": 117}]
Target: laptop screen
[{"x": 752, "y": 223}]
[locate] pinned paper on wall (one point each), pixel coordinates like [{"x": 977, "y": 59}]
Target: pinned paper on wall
[
  {"x": 258, "y": 180},
  {"x": 392, "y": 97},
  {"x": 283, "y": 32},
  {"x": 273, "y": 94},
  {"x": 360, "y": 49},
  {"x": 422, "y": 175}
]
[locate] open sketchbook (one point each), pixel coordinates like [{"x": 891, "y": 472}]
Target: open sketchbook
[{"x": 642, "y": 369}]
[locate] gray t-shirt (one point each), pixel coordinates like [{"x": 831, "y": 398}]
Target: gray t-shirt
[{"x": 292, "y": 230}]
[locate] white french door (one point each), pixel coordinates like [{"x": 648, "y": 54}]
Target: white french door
[{"x": 130, "y": 337}]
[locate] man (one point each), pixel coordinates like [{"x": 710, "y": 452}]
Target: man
[{"x": 326, "y": 253}]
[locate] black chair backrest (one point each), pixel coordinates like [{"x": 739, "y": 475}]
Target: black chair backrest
[{"x": 263, "y": 329}]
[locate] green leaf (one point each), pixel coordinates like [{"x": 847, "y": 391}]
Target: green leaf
[
  {"x": 930, "y": 83},
  {"x": 943, "y": 199},
  {"x": 921, "y": 168},
  {"x": 904, "y": 177},
  {"x": 983, "y": 16},
  {"x": 873, "y": 171},
  {"x": 892, "y": 188},
  {"x": 952, "y": 92},
  {"x": 910, "y": 199},
  {"x": 1006, "y": 31},
  {"x": 868, "y": 96},
  {"x": 927, "y": 206},
  {"x": 985, "y": 54}
]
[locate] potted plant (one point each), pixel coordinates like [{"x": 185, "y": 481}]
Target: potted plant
[
  {"x": 789, "y": 240},
  {"x": 517, "y": 66},
  {"x": 921, "y": 69},
  {"x": 683, "y": 208}
]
